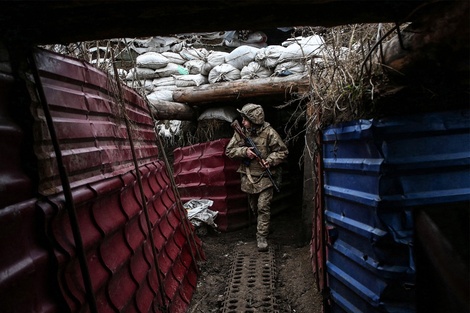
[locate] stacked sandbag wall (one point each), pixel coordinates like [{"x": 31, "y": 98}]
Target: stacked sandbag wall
[{"x": 160, "y": 73}]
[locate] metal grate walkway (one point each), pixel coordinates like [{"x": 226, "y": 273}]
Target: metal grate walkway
[{"x": 252, "y": 282}]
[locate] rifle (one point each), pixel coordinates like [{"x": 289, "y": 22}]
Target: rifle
[{"x": 250, "y": 143}]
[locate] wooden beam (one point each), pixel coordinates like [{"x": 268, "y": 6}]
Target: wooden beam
[
  {"x": 241, "y": 89},
  {"x": 167, "y": 110}
]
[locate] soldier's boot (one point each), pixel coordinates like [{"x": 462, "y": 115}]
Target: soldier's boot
[{"x": 262, "y": 244}]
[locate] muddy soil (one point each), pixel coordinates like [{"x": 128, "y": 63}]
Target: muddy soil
[{"x": 294, "y": 280}]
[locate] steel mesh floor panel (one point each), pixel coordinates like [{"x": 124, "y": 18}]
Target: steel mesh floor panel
[{"x": 252, "y": 282}]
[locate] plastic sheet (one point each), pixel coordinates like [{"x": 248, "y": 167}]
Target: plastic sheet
[{"x": 198, "y": 212}]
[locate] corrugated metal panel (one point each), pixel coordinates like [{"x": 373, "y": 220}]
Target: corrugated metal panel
[
  {"x": 26, "y": 266},
  {"x": 89, "y": 123},
  {"x": 106, "y": 195},
  {"x": 15, "y": 185},
  {"x": 118, "y": 248},
  {"x": 203, "y": 171},
  {"x": 376, "y": 172}
]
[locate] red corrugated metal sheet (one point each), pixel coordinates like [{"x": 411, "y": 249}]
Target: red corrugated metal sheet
[
  {"x": 118, "y": 249},
  {"x": 202, "y": 171},
  {"x": 127, "y": 273},
  {"x": 89, "y": 123},
  {"x": 26, "y": 272},
  {"x": 25, "y": 264}
]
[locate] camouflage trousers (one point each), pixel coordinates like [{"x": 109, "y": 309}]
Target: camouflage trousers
[{"x": 260, "y": 204}]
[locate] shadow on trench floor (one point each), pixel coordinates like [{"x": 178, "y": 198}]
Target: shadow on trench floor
[{"x": 294, "y": 282}]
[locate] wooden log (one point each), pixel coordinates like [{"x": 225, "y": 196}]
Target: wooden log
[
  {"x": 240, "y": 89},
  {"x": 434, "y": 48},
  {"x": 167, "y": 110}
]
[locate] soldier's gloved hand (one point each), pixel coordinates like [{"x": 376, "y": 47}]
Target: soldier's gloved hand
[
  {"x": 250, "y": 154},
  {"x": 264, "y": 163}
]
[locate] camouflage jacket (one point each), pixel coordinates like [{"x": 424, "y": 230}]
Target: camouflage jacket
[{"x": 273, "y": 150}]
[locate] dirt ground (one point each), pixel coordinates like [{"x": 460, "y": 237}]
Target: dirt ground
[{"x": 295, "y": 284}]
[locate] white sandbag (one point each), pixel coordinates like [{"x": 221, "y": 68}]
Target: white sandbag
[
  {"x": 152, "y": 60},
  {"x": 241, "y": 56},
  {"x": 213, "y": 59},
  {"x": 302, "y": 47},
  {"x": 194, "y": 66},
  {"x": 228, "y": 114},
  {"x": 194, "y": 54},
  {"x": 289, "y": 68},
  {"x": 190, "y": 80},
  {"x": 147, "y": 84},
  {"x": 164, "y": 94},
  {"x": 269, "y": 56},
  {"x": 170, "y": 87},
  {"x": 171, "y": 69},
  {"x": 140, "y": 73},
  {"x": 163, "y": 81},
  {"x": 223, "y": 72},
  {"x": 174, "y": 57},
  {"x": 254, "y": 70}
]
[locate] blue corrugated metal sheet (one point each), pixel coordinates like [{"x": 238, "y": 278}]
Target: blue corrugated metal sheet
[{"x": 376, "y": 172}]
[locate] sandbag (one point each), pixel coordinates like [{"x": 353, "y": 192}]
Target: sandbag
[
  {"x": 228, "y": 114},
  {"x": 171, "y": 69},
  {"x": 213, "y": 59},
  {"x": 254, "y": 70},
  {"x": 241, "y": 56},
  {"x": 140, "y": 73},
  {"x": 189, "y": 80},
  {"x": 302, "y": 47},
  {"x": 174, "y": 57},
  {"x": 151, "y": 60},
  {"x": 223, "y": 72},
  {"x": 165, "y": 95},
  {"x": 289, "y": 68},
  {"x": 147, "y": 84},
  {"x": 163, "y": 81},
  {"x": 194, "y": 54},
  {"x": 194, "y": 66},
  {"x": 269, "y": 56}
]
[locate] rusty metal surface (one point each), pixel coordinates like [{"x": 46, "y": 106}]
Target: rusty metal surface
[
  {"x": 202, "y": 171},
  {"x": 89, "y": 123}
]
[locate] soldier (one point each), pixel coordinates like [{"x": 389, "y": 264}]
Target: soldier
[{"x": 254, "y": 180}]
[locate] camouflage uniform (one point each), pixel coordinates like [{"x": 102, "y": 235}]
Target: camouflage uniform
[{"x": 254, "y": 180}]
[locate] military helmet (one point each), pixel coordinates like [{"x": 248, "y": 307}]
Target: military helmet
[{"x": 253, "y": 112}]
